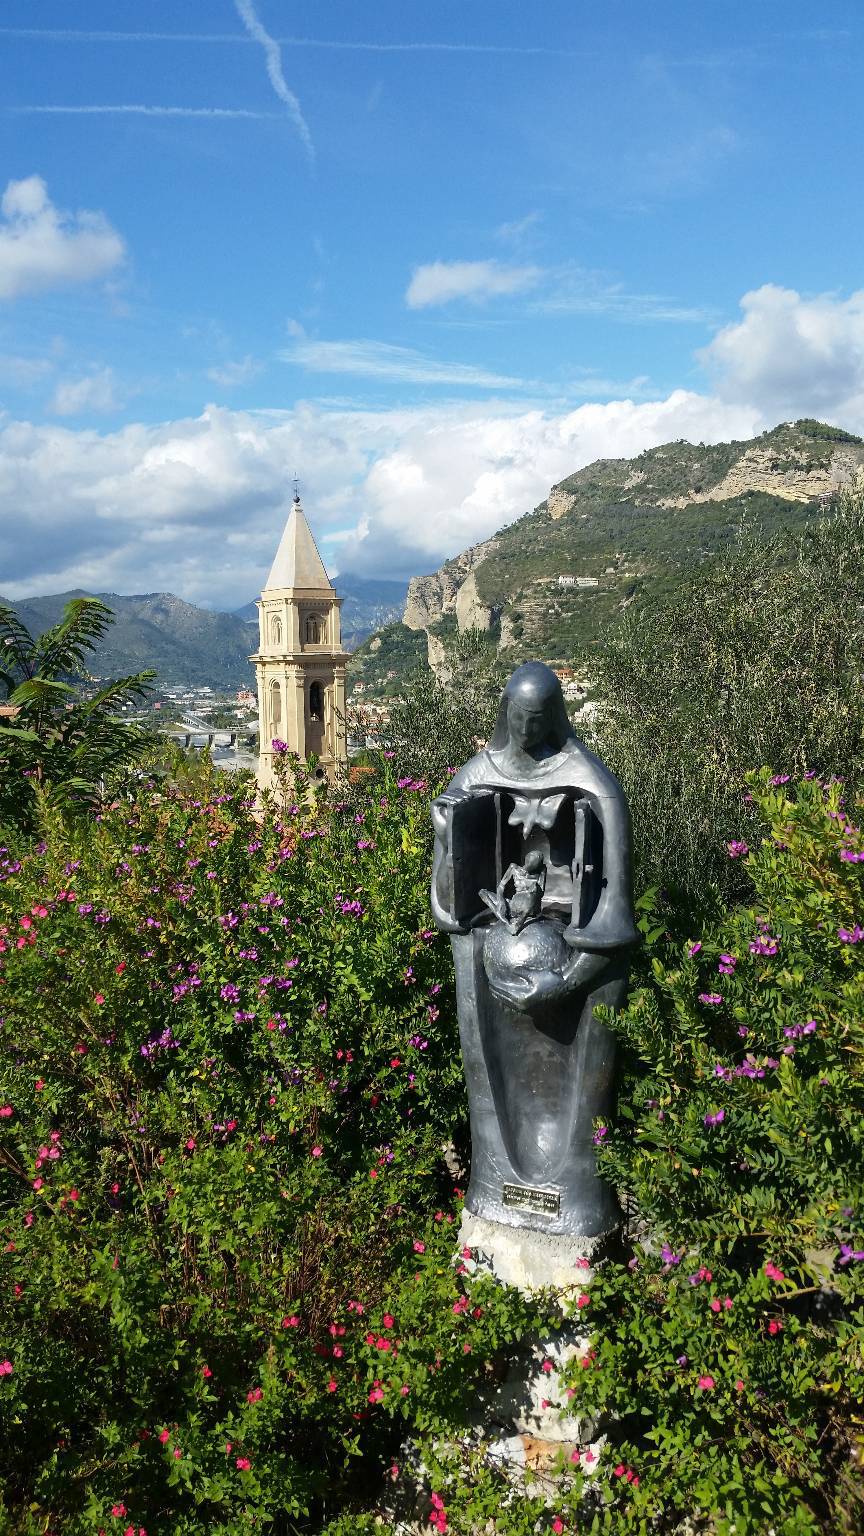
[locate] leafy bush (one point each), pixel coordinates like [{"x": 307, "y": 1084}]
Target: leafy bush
[
  {"x": 731, "y": 1347},
  {"x": 436, "y": 725},
  {"x": 228, "y": 1066},
  {"x": 754, "y": 659},
  {"x": 228, "y": 1070}
]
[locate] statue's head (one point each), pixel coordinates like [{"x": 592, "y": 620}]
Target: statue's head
[
  {"x": 534, "y": 861},
  {"x": 532, "y": 712}
]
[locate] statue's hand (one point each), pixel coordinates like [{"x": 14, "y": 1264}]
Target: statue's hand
[{"x": 530, "y": 990}]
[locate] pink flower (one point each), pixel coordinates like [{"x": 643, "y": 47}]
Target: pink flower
[
  {"x": 557, "y": 1525},
  {"x": 739, "y": 1385},
  {"x": 775, "y": 1326},
  {"x": 255, "y": 1395},
  {"x": 316, "y": 1151},
  {"x": 705, "y": 1383},
  {"x": 418, "y": 1246},
  {"x": 6, "y": 1367},
  {"x": 376, "y": 1395},
  {"x": 547, "y": 1366},
  {"x": 773, "y": 1272},
  {"x": 206, "y": 1371},
  {"x": 117, "y": 1510},
  {"x": 387, "y": 1320},
  {"x": 164, "y": 1435},
  {"x": 291, "y": 1322},
  {"x": 98, "y": 998},
  {"x": 584, "y": 1300},
  {"x": 332, "y": 1385},
  {"x": 242, "y": 1463}
]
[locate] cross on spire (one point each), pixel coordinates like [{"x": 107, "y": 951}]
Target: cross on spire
[{"x": 296, "y": 484}]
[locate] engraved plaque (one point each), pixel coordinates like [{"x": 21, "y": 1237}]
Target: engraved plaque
[{"x": 544, "y": 1202}]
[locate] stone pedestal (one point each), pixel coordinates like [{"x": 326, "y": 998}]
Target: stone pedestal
[{"x": 523, "y": 1421}]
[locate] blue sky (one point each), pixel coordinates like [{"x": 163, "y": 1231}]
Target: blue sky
[{"x": 430, "y": 256}]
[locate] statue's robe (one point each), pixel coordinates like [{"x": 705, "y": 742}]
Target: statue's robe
[{"x": 537, "y": 1081}]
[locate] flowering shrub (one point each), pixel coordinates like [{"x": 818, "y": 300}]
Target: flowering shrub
[
  {"x": 228, "y": 1066},
  {"x": 228, "y": 1296},
  {"x": 731, "y": 1346}
]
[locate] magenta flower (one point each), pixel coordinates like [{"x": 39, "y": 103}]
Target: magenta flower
[
  {"x": 713, "y": 998},
  {"x": 737, "y": 850}
]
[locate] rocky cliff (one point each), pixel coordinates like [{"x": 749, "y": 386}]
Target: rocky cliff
[{"x": 551, "y": 581}]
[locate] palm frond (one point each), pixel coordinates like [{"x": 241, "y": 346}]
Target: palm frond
[
  {"x": 122, "y": 691},
  {"x": 17, "y": 647},
  {"x": 62, "y": 648}
]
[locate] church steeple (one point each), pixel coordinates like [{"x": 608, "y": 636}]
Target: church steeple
[
  {"x": 300, "y": 663},
  {"x": 297, "y": 563}
]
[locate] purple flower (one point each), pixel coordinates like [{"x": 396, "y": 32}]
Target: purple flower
[
  {"x": 851, "y": 935},
  {"x": 716, "y": 1118},
  {"x": 710, "y": 997},
  {"x": 668, "y": 1256},
  {"x": 737, "y": 850},
  {"x": 600, "y": 1135},
  {"x": 694, "y": 949},
  {"x": 764, "y": 944},
  {"x": 780, "y": 778},
  {"x": 230, "y": 993},
  {"x": 278, "y": 745},
  {"x": 847, "y": 1253}
]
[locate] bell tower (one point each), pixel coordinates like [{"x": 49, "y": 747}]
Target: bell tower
[{"x": 299, "y": 663}]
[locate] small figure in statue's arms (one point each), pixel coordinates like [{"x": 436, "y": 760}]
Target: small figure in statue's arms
[{"x": 528, "y": 883}]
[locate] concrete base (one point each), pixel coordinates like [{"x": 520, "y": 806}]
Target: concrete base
[
  {"x": 529, "y": 1406},
  {"x": 531, "y": 1261}
]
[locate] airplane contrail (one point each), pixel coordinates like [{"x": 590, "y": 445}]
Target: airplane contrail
[
  {"x": 139, "y": 110},
  {"x": 246, "y": 12},
  {"x": 69, "y": 35}
]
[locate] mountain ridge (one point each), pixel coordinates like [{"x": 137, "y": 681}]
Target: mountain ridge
[
  {"x": 548, "y": 582},
  {"x": 196, "y": 646}
]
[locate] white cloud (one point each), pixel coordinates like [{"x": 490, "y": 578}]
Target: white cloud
[
  {"x": 23, "y": 372},
  {"x": 379, "y": 360},
  {"x": 515, "y": 233},
  {"x": 196, "y": 506},
  {"x": 41, "y": 247},
  {"x": 233, "y": 374},
  {"x": 92, "y": 393},
  {"x": 439, "y": 282},
  {"x": 793, "y": 356},
  {"x": 272, "y": 53}
]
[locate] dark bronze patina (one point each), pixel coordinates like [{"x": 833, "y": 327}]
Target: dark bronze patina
[{"x": 532, "y": 880}]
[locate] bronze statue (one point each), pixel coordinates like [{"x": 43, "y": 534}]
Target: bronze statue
[{"x": 538, "y": 816}]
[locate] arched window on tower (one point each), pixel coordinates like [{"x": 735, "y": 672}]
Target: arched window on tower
[
  {"x": 314, "y": 626},
  {"x": 276, "y": 629},
  {"x": 316, "y": 701},
  {"x": 275, "y": 710}
]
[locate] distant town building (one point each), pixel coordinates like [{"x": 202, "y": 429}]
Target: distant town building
[
  {"x": 578, "y": 581},
  {"x": 300, "y": 664}
]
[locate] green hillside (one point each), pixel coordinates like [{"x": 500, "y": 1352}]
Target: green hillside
[{"x": 555, "y": 580}]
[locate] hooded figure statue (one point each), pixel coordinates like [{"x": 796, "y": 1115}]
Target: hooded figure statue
[{"x": 532, "y": 878}]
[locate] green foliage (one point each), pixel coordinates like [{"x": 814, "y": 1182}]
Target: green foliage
[
  {"x": 731, "y": 1349},
  {"x": 756, "y": 658},
  {"x": 228, "y": 1065},
  {"x": 436, "y": 726},
  {"x": 62, "y": 744}
]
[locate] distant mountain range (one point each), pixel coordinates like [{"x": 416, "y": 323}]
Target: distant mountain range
[
  {"x": 549, "y": 584},
  {"x": 186, "y": 644}
]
